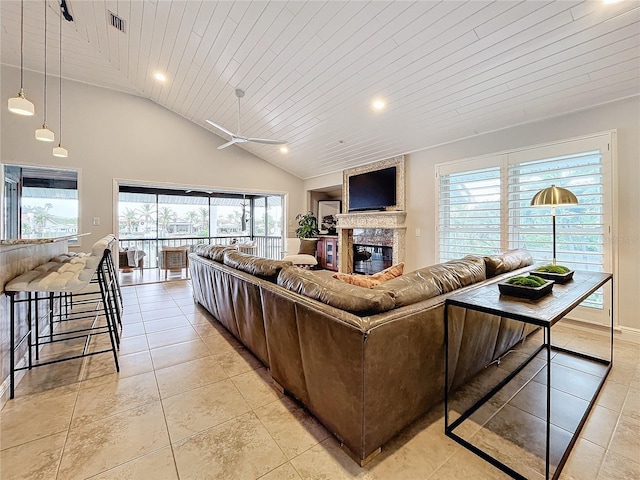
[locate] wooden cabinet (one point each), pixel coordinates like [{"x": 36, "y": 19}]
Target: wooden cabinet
[{"x": 328, "y": 253}]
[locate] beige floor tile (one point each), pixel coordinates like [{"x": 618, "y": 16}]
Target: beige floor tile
[
  {"x": 133, "y": 344},
  {"x": 160, "y": 298},
  {"x": 238, "y": 449},
  {"x": 184, "y": 299},
  {"x": 28, "y": 418},
  {"x": 98, "y": 446},
  {"x": 149, "y": 310},
  {"x": 189, "y": 375},
  {"x": 612, "y": 396},
  {"x": 600, "y": 426},
  {"x": 631, "y": 406},
  {"x": 283, "y": 472},
  {"x": 626, "y": 438},
  {"x": 328, "y": 461},
  {"x": 518, "y": 439},
  {"x": 129, "y": 317},
  {"x": 130, "y": 330},
  {"x": 36, "y": 460},
  {"x": 202, "y": 408},
  {"x": 149, "y": 290},
  {"x": 466, "y": 465},
  {"x": 169, "y": 323},
  {"x": 189, "y": 308},
  {"x": 293, "y": 428},
  {"x": 236, "y": 362},
  {"x": 584, "y": 461},
  {"x": 202, "y": 317},
  {"x": 183, "y": 352},
  {"x": 618, "y": 467},
  {"x": 257, "y": 387},
  {"x": 104, "y": 364},
  {"x": 621, "y": 372},
  {"x": 417, "y": 451},
  {"x": 97, "y": 399},
  {"x": 158, "y": 465},
  {"x": 170, "y": 337},
  {"x": 49, "y": 377},
  {"x": 162, "y": 313}
]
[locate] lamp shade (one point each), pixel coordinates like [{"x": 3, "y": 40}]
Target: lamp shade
[
  {"x": 60, "y": 151},
  {"x": 20, "y": 105},
  {"x": 553, "y": 196},
  {"x": 44, "y": 134}
]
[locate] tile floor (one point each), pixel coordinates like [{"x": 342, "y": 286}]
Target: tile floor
[{"x": 191, "y": 403}]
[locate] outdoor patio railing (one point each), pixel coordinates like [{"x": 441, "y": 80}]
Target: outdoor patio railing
[{"x": 267, "y": 247}]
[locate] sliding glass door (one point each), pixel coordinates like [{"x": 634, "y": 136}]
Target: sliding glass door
[{"x": 150, "y": 218}]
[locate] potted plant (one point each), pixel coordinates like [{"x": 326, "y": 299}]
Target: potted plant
[{"x": 307, "y": 225}]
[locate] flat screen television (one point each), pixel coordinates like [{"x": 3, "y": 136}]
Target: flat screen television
[{"x": 373, "y": 190}]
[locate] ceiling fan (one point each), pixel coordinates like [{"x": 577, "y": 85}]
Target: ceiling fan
[{"x": 236, "y": 137}]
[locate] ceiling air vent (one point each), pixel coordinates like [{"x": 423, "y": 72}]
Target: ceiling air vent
[{"x": 117, "y": 22}]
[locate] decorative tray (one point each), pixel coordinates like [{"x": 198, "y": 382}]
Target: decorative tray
[
  {"x": 531, "y": 293},
  {"x": 556, "y": 277}
]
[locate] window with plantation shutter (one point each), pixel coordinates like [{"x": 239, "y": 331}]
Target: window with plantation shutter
[
  {"x": 469, "y": 213},
  {"x": 484, "y": 207},
  {"x": 579, "y": 228}
]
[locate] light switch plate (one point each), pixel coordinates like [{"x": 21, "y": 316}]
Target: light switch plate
[{"x": 96, "y": 221}]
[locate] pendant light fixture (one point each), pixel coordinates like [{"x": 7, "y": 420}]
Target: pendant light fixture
[
  {"x": 60, "y": 151},
  {"x": 20, "y": 105},
  {"x": 44, "y": 134}
]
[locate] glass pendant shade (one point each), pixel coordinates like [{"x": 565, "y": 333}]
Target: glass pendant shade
[
  {"x": 44, "y": 134},
  {"x": 20, "y": 105},
  {"x": 60, "y": 151}
]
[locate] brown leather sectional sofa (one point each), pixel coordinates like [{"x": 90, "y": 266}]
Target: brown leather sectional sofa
[{"x": 365, "y": 362}]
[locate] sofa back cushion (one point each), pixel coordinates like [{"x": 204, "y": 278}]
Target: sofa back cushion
[
  {"x": 507, "y": 261},
  {"x": 258, "y": 266},
  {"x": 434, "y": 280},
  {"x": 351, "y": 298},
  {"x": 214, "y": 252}
]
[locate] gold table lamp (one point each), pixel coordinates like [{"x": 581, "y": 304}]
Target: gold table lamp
[{"x": 552, "y": 197}]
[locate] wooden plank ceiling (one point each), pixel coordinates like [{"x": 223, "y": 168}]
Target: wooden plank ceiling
[{"x": 446, "y": 70}]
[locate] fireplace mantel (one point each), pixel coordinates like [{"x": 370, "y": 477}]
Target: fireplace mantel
[
  {"x": 387, "y": 219},
  {"x": 393, "y": 219}
]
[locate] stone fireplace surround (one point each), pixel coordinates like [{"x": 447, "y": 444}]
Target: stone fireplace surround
[
  {"x": 347, "y": 222},
  {"x": 393, "y": 218}
]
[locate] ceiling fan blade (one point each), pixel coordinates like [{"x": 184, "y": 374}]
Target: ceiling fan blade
[
  {"x": 228, "y": 144},
  {"x": 267, "y": 141},
  {"x": 231, "y": 134}
]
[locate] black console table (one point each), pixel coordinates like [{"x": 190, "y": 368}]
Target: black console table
[{"x": 559, "y": 436}]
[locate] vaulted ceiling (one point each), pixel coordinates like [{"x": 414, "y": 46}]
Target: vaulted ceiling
[{"x": 311, "y": 70}]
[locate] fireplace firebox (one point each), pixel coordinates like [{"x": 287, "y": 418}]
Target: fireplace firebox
[{"x": 370, "y": 259}]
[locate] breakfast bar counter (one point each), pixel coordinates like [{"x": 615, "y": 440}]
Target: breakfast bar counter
[{"x": 18, "y": 256}]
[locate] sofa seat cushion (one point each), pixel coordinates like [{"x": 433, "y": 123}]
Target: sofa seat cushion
[
  {"x": 351, "y": 298},
  {"x": 507, "y": 262},
  {"x": 258, "y": 266}
]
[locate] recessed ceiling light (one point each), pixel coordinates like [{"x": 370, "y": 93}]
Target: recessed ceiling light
[
  {"x": 160, "y": 77},
  {"x": 378, "y": 104},
  {"x": 608, "y": 2},
  {"x": 284, "y": 149}
]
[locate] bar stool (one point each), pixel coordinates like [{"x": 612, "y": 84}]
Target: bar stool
[{"x": 85, "y": 287}]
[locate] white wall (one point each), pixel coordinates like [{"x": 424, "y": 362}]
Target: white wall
[
  {"x": 623, "y": 116},
  {"x": 115, "y": 135}
]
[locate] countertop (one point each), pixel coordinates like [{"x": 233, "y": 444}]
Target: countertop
[{"x": 37, "y": 241}]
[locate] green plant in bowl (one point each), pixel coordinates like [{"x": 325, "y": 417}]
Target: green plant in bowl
[
  {"x": 527, "y": 281},
  {"x": 559, "y": 269}
]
